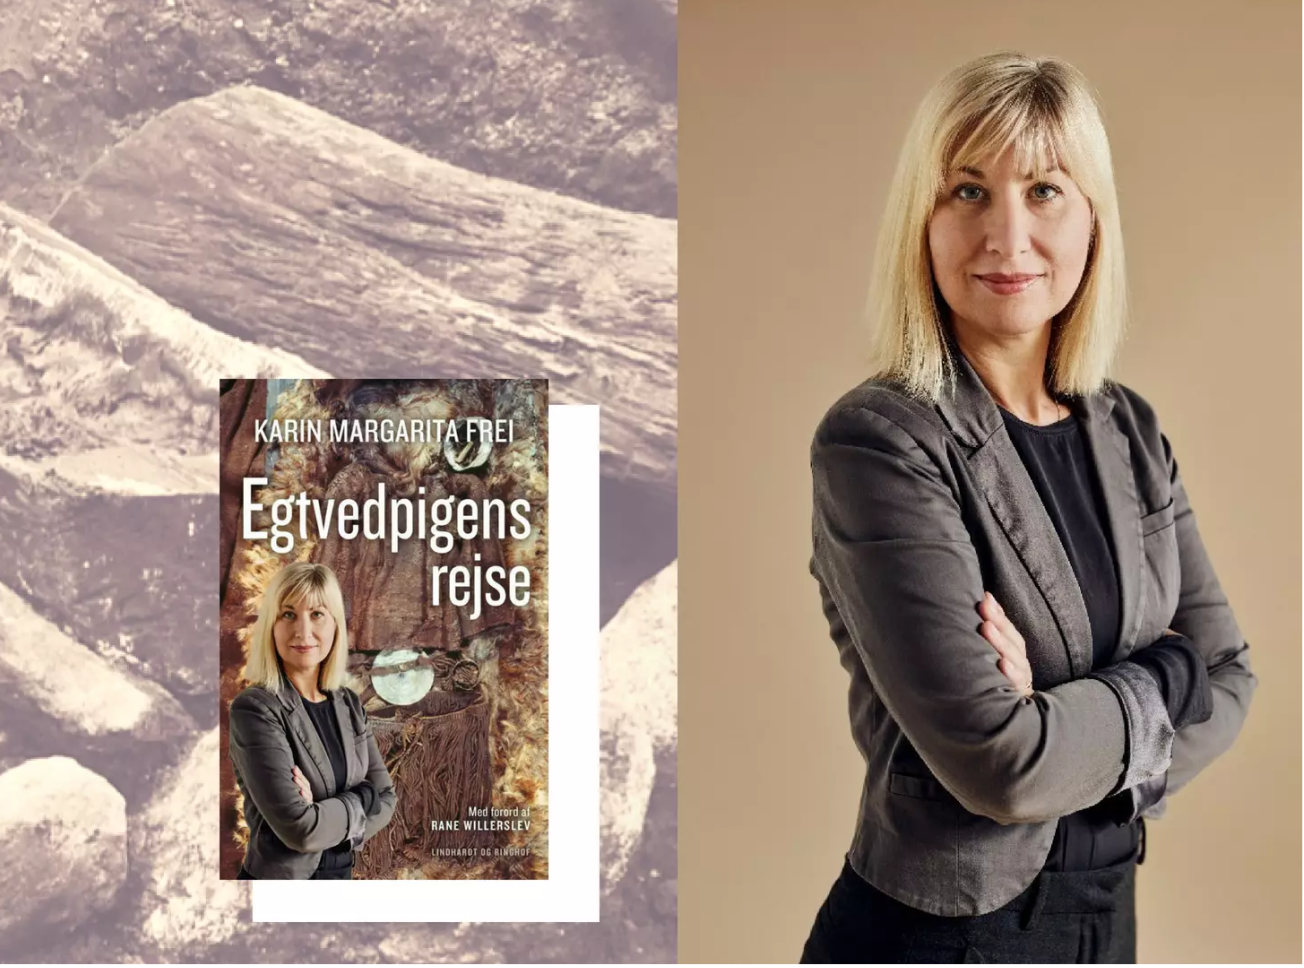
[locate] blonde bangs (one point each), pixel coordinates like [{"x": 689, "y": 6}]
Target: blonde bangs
[
  {"x": 1044, "y": 112},
  {"x": 1037, "y": 139},
  {"x": 306, "y": 587}
]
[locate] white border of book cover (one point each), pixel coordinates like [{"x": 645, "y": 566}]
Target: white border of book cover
[{"x": 572, "y": 890}]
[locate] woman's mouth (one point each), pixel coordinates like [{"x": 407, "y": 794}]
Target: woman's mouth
[
  {"x": 303, "y": 648},
  {"x": 1007, "y": 284}
]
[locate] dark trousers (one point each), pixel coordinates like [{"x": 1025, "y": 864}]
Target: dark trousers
[{"x": 1081, "y": 917}]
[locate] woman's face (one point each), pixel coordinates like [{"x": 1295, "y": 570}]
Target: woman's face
[
  {"x": 1008, "y": 251},
  {"x": 304, "y": 633}
]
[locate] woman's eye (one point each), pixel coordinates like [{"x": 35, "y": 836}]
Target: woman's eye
[
  {"x": 317, "y": 615},
  {"x": 1045, "y": 192},
  {"x": 968, "y": 193},
  {"x": 289, "y": 615}
]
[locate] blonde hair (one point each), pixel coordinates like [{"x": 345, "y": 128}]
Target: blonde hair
[
  {"x": 302, "y": 583},
  {"x": 1045, "y": 112}
]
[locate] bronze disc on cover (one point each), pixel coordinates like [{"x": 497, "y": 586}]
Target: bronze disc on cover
[{"x": 401, "y": 677}]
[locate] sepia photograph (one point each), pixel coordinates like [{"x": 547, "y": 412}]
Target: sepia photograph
[{"x": 205, "y": 190}]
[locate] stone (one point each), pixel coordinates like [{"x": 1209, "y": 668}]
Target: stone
[
  {"x": 640, "y": 689},
  {"x": 108, "y": 458},
  {"x": 184, "y": 906},
  {"x": 361, "y": 255},
  {"x": 63, "y": 834}
]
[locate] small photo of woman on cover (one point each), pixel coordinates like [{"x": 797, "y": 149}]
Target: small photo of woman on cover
[{"x": 314, "y": 784}]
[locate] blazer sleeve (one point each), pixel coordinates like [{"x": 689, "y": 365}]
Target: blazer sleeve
[
  {"x": 1204, "y": 617},
  {"x": 378, "y": 776},
  {"x": 261, "y": 752},
  {"x": 892, "y": 549}
]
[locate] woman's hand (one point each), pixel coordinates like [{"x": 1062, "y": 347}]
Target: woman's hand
[
  {"x": 301, "y": 782},
  {"x": 1005, "y": 638}
]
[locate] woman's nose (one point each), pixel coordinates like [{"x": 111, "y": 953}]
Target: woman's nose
[
  {"x": 1008, "y": 228},
  {"x": 302, "y": 627}
]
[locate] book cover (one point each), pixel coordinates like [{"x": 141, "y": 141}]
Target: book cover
[{"x": 426, "y": 501}]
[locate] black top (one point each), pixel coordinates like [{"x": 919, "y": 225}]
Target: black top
[
  {"x": 1056, "y": 459},
  {"x": 323, "y": 718}
]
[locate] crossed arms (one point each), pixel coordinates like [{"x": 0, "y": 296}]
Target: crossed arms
[
  {"x": 893, "y": 551},
  {"x": 261, "y": 752}
]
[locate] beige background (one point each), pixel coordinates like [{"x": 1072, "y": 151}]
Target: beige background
[{"x": 791, "y": 118}]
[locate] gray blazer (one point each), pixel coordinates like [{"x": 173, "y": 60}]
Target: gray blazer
[
  {"x": 270, "y": 733},
  {"x": 917, "y": 511}
]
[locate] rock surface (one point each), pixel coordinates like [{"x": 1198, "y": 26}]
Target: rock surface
[
  {"x": 92, "y": 358},
  {"x": 328, "y": 241},
  {"x": 78, "y": 692},
  {"x": 573, "y": 96},
  {"x": 639, "y": 711},
  {"x": 184, "y": 907},
  {"x": 108, "y": 457},
  {"x": 63, "y": 834}
]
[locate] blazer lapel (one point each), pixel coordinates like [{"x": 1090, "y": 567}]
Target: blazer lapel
[
  {"x": 1112, "y": 455},
  {"x": 307, "y": 733},
  {"x": 975, "y": 420}
]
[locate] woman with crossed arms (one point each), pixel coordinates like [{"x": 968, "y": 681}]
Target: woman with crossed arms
[
  {"x": 314, "y": 783},
  {"x": 1038, "y": 646}
]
